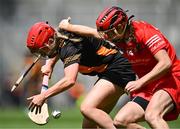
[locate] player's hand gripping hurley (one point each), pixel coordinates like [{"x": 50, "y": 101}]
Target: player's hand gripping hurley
[{"x": 41, "y": 117}]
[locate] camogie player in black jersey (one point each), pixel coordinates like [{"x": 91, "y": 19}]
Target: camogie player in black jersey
[{"x": 89, "y": 56}]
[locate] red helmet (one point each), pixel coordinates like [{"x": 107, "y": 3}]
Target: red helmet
[
  {"x": 39, "y": 37},
  {"x": 112, "y": 18}
]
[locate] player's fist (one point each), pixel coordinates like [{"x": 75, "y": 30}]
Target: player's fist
[{"x": 64, "y": 24}]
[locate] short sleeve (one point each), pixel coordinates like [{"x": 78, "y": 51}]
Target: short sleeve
[
  {"x": 70, "y": 53},
  {"x": 153, "y": 39}
]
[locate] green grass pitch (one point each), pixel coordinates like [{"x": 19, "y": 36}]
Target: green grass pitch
[{"x": 71, "y": 119}]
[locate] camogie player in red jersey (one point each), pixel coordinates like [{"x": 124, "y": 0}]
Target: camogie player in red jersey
[{"x": 155, "y": 95}]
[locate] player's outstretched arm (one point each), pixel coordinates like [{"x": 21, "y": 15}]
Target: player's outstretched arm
[
  {"x": 69, "y": 79},
  {"x": 78, "y": 29}
]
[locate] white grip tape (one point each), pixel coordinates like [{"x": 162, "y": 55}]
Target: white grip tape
[{"x": 45, "y": 80}]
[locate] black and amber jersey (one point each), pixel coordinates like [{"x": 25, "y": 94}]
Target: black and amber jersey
[{"x": 97, "y": 57}]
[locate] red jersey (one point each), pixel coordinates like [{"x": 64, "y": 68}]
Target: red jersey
[
  {"x": 147, "y": 41},
  {"x": 144, "y": 42}
]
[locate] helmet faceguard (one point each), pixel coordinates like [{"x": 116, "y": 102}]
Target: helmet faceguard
[
  {"x": 112, "y": 23},
  {"x": 41, "y": 40}
]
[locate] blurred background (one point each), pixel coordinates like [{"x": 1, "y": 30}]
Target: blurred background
[{"x": 16, "y": 16}]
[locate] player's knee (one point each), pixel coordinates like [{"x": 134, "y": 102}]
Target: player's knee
[
  {"x": 85, "y": 109},
  {"x": 120, "y": 122},
  {"x": 151, "y": 116}
]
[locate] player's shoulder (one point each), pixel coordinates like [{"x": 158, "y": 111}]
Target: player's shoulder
[
  {"x": 138, "y": 28},
  {"x": 93, "y": 41},
  {"x": 142, "y": 28},
  {"x": 140, "y": 24},
  {"x": 143, "y": 25}
]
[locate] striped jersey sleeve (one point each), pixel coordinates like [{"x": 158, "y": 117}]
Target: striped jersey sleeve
[{"x": 153, "y": 39}]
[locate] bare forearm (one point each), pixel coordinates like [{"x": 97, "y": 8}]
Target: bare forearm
[
  {"x": 82, "y": 30},
  {"x": 161, "y": 68},
  {"x": 59, "y": 87},
  {"x": 158, "y": 71}
]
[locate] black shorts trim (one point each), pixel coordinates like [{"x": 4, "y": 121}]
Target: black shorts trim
[{"x": 140, "y": 101}]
